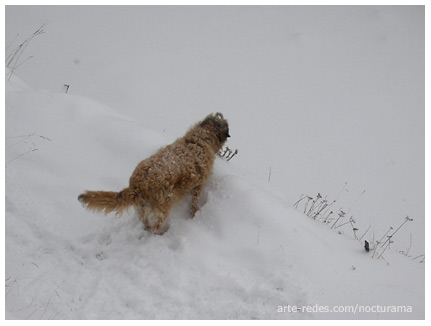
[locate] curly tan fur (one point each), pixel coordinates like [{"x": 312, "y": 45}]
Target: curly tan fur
[{"x": 164, "y": 178}]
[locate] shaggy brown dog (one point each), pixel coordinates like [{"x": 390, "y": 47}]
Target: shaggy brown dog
[{"x": 164, "y": 178}]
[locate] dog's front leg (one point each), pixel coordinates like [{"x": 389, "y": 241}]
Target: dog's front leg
[{"x": 196, "y": 192}]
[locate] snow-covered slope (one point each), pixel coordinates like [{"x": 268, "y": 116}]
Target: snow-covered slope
[
  {"x": 317, "y": 95},
  {"x": 246, "y": 255}
]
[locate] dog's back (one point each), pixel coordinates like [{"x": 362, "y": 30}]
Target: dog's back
[{"x": 164, "y": 178}]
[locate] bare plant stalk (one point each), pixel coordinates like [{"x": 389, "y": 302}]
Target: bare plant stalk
[
  {"x": 406, "y": 253},
  {"x": 300, "y": 199},
  {"x": 375, "y": 248},
  {"x": 384, "y": 249},
  {"x": 225, "y": 153},
  {"x": 390, "y": 228},
  {"x": 313, "y": 204},
  {"x": 326, "y": 216},
  {"x": 13, "y": 61},
  {"x": 407, "y": 219},
  {"x": 21, "y": 155},
  {"x": 355, "y": 202},
  {"x": 320, "y": 208},
  {"x": 344, "y": 187},
  {"x": 340, "y": 225},
  {"x": 365, "y": 232},
  {"x": 354, "y": 229},
  {"x": 232, "y": 155},
  {"x": 340, "y": 215},
  {"x": 423, "y": 259},
  {"x": 306, "y": 204}
]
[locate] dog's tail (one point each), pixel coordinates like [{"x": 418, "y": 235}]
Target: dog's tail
[{"x": 108, "y": 201}]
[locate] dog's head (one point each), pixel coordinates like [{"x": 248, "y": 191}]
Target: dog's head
[{"x": 216, "y": 124}]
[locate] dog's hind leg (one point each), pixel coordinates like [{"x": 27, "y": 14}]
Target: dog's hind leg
[
  {"x": 196, "y": 192},
  {"x": 152, "y": 217},
  {"x": 161, "y": 217}
]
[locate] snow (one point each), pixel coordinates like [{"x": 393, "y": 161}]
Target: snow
[{"x": 248, "y": 253}]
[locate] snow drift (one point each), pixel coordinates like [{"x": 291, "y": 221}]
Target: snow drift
[{"x": 246, "y": 255}]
